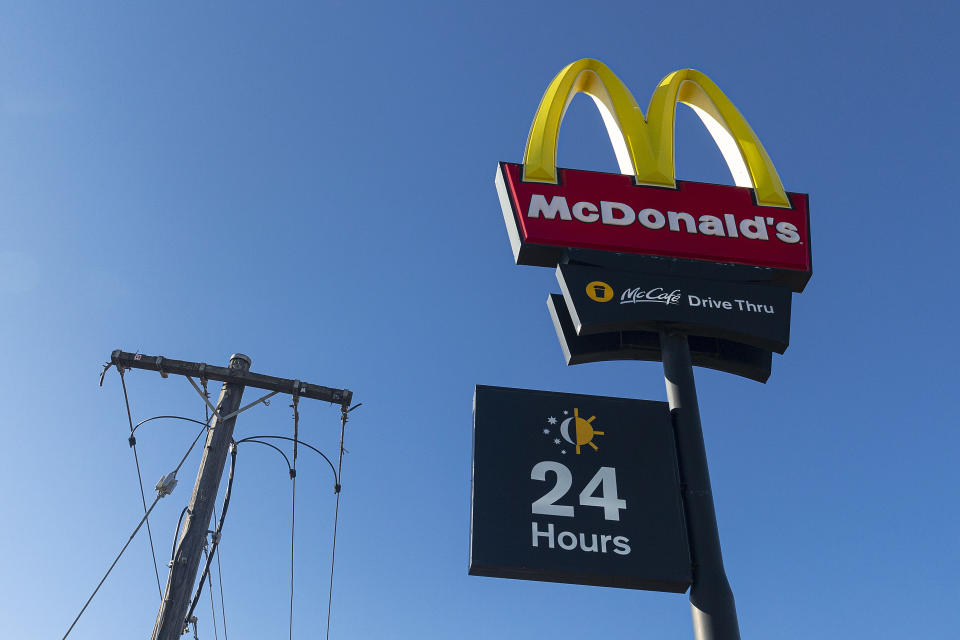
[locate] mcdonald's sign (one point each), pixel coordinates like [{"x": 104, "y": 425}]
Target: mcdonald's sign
[{"x": 645, "y": 210}]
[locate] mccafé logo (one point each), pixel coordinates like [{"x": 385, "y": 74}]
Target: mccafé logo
[
  {"x": 645, "y": 209},
  {"x": 656, "y": 295}
]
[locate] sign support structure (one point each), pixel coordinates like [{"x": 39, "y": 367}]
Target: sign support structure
[
  {"x": 712, "y": 605},
  {"x": 655, "y": 268}
]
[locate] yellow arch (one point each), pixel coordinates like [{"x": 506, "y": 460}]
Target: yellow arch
[{"x": 645, "y": 146}]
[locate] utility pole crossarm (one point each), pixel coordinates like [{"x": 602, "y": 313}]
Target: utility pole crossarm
[{"x": 166, "y": 366}]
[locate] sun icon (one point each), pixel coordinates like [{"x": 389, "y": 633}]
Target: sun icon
[{"x": 583, "y": 431}]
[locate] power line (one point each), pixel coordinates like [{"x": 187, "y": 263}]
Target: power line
[
  {"x": 333, "y": 556},
  {"x": 184, "y": 459},
  {"x": 216, "y": 534},
  {"x": 213, "y": 612},
  {"x": 291, "y": 468},
  {"x": 176, "y": 532},
  {"x": 143, "y": 422},
  {"x": 133, "y": 445},
  {"x": 236, "y": 376},
  {"x": 223, "y": 608},
  {"x": 336, "y": 514},
  {"x": 293, "y": 519},
  {"x": 306, "y": 444},
  {"x": 216, "y": 551},
  {"x": 254, "y": 439},
  {"x": 293, "y": 496}
]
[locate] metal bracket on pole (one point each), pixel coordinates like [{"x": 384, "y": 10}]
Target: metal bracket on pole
[
  {"x": 163, "y": 374},
  {"x": 202, "y": 395},
  {"x": 265, "y": 399}
]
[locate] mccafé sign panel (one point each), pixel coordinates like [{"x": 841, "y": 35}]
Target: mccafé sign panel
[
  {"x": 711, "y": 352},
  {"x": 604, "y": 300},
  {"x": 645, "y": 210}
]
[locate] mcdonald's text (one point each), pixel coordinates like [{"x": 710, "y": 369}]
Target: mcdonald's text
[{"x": 696, "y": 221}]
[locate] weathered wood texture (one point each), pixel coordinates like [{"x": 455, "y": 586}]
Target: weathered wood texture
[
  {"x": 183, "y": 572},
  {"x": 165, "y": 366}
]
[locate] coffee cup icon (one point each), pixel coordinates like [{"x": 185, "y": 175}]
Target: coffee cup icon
[{"x": 599, "y": 291}]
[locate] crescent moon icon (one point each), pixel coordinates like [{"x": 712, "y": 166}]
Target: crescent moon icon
[{"x": 565, "y": 430}]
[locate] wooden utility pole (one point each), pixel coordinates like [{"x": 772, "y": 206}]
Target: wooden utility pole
[
  {"x": 176, "y": 598},
  {"x": 171, "y": 619}
]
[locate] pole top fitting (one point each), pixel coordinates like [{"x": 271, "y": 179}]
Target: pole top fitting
[{"x": 245, "y": 359}]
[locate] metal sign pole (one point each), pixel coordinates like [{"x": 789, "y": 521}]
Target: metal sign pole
[{"x": 711, "y": 599}]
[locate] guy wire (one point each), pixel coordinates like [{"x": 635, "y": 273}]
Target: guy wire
[{"x": 115, "y": 560}]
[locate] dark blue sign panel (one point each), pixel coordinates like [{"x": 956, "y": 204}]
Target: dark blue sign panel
[
  {"x": 713, "y": 353},
  {"x": 604, "y": 300},
  {"x": 578, "y": 489}
]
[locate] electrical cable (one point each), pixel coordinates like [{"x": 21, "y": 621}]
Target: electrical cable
[
  {"x": 307, "y": 445},
  {"x": 216, "y": 535},
  {"x": 143, "y": 422},
  {"x": 292, "y": 471},
  {"x": 184, "y": 459},
  {"x": 143, "y": 498},
  {"x": 293, "y": 520},
  {"x": 169, "y": 481},
  {"x": 213, "y": 612},
  {"x": 333, "y": 555},
  {"x": 293, "y": 498},
  {"x": 223, "y": 608},
  {"x": 206, "y": 399},
  {"x": 336, "y": 513},
  {"x": 112, "y": 565},
  {"x": 176, "y": 532},
  {"x": 267, "y": 444}
]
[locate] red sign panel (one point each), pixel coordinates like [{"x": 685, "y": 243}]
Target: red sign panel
[{"x": 698, "y": 221}]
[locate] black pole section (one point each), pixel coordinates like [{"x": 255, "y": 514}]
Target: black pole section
[
  {"x": 711, "y": 599},
  {"x": 183, "y": 571}
]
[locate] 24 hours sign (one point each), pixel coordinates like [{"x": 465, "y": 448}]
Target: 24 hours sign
[{"x": 576, "y": 488}]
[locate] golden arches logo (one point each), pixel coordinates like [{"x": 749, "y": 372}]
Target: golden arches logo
[{"x": 644, "y": 146}]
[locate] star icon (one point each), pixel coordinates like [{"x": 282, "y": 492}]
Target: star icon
[
  {"x": 556, "y": 441},
  {"x": 565, "y": 412},
  {"x": 563, "y": 451},
  {"x": 552, "y": 420},
  {"x": 546, "y": 431}
]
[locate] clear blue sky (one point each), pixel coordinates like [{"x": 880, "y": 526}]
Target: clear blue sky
[{"x": 312, "y": 184}]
